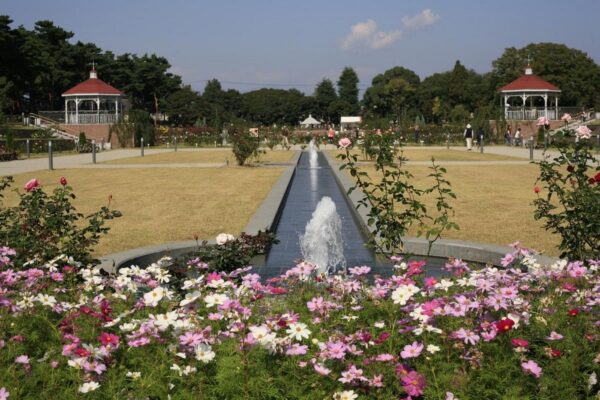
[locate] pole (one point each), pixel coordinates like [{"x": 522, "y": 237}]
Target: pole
[
  {"x": 175, "y": 139},
  {"x": 28, "y": 149},
  {"x": 50, "y": 161},
  {"x": 94, "y": 151},
  {"x": 142, "y": 145},
  {"x": 102, "y": 144},
  {"x": 531, "y": 149},
  {"x": 481, "y": 145},
  {"x": 447, "y": 141}
]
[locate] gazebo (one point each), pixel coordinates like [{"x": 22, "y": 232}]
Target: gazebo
[
  {"x": 530, "y": 86},
  {"x": 93, "y": 102},
  {"x": 310, "y": 122}
]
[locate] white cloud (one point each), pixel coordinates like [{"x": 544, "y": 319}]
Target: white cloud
[
  {"x": 366, "y": 35},
  {"x": 421, "y": 20}
]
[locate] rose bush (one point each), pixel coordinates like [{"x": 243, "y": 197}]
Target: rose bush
[{"x": 73, "y": 332}]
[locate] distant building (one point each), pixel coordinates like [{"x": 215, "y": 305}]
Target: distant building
[
  {"x": 349, "y": 122},
  {"x": 310, "y": 122}
]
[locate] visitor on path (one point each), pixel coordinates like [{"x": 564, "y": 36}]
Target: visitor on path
[
  {"x": 330, "y": 135},
  {"x": 479, "y": 137},
  {"x": 518, "y": 137},
  {"x": 508, "y": 137},
  {"x": 469, "y": 136}
]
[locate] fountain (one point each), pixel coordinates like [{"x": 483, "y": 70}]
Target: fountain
[
  {"x": 322, "y": 242},
  {"x": 313, "y": 156}
]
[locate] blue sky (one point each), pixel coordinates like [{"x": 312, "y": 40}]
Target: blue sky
[{"x": 284, "y": 43}]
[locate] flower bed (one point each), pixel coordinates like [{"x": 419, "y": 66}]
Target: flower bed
[{"x": 69, "y": 331}]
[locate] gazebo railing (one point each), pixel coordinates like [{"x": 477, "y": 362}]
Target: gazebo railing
[{"x": 91, "y": 117}]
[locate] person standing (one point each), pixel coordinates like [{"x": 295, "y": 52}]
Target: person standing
[
  {"x": 469, "y": 136},
  {"x": 479, "y": 137},
  {"x": 508, "y": 137},
  {"x": 518, "y": 137}
]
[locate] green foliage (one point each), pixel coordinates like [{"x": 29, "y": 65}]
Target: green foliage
[
  {"x": 244, "y": 144},
  {"x": 348, "y": 91},
  {"x": 84, "y": 145},
  {"x": 45, "y": 226},
  {"x": 325, "y": 96},
  {"x": 124, "y": 131},
  {"x": 394, "y": 204},
  {"x": 569, "y": 202},
  {"x": 142, "y": 127}
]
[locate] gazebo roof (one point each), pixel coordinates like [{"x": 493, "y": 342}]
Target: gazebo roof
[
  {"x": 93, "y": 86},
  {"x": 527, "y": 82},
  {"x": 310, "y": 121}
]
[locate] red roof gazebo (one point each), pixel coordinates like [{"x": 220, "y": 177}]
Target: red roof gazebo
[
  {"x": 93, "y": 102},
  {"x": 526, "y": 87}
]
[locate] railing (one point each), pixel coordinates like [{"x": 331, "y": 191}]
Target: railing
[
  {"x": 91, "y": 118},
  {"x": 533, "y": 113}
]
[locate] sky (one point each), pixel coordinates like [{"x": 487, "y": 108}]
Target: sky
[{"x": 249, "y": 44}]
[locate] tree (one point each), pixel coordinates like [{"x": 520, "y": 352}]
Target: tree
[
  {"x": 348, "y": 90},
  {"x": 185, "y": 106},
  {"x": 269, "y": 106},
  {"x": 392, "y": 93},
  {"x": 324, "y": 96},
  {"x": 571, "y": 70}
]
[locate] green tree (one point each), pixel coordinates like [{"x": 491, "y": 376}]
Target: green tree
[
  {"x": 571, "y": 70},
  {"x": 348, "y": 90},
  {"x": 392, "y": 93},
  {"x": 185, "y": 106},
  {"x": 324, "y": 96}
]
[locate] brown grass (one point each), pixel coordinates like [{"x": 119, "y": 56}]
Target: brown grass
[
  {"x": 202, "y": 156},
  {"x": 425, "y": 154},
  {"x": 164, "y": 205},
  {"x": 493, "y": 204}
]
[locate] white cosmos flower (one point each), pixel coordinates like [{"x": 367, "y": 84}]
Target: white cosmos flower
[
  {"x": 46, "y": 300},
  {"x": 298, "y": 331},
  {"x": 215, "y": 299},
  {"x": 190, "y": 298},
  {"x": 345, "y": 395},
  {"x": 163, "y": 321},
  {"x": 153, "y": 297},
  {"x": 133, "y": 375},
  {"x": 204, "y": 353},
  {"x": 88, "y": 387},
  {"x": 403, "y": 293},
  {"x": 128, "y": 327},
  {"x": 432, "y": 348}
]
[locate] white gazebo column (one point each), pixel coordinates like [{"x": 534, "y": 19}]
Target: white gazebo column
[
  {"x": 76, "y": 110},
  {"x": 545, "y": 96},
  {"x": 505, "y": 106},
  {"x": 556, "y": 106},
  {"x": 98, "y": 110},
  {"x": 524, "y": 98},
  {"x": 116, "y": 109}
]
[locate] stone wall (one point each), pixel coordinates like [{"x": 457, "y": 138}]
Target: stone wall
[{"x": 96, "y": 131}]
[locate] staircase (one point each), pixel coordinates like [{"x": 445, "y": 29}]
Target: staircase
[
  {"x": 576, "y": 122},
  {"x": 52, "y": 126}
]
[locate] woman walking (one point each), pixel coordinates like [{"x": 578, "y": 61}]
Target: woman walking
[{"x": 469, "y": 136}]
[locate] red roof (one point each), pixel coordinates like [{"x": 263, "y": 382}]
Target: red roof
[
  {"x": 93, "y": 86},
  {"x": 529, "y": 82}
]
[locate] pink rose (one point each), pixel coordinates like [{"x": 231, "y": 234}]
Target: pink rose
[
  {"x": 583, "y": 132},
  {"x": 542, "y": 121},
  {"x": 566, "y": 117},
  {"x": 32, "y": 184},
  {"x": 344, "y": 142}
]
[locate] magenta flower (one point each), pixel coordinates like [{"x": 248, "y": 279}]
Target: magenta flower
[
  {"x": 531, "y": 367},
  {"x": 4, "y": 393},
  {"x": 517, "y": 342},
  {"x": 108, "y": 339},
  {"x": 554, "y": 336},
  {"x": 412, "y": 350},
  {"x": 413, "y": 383},
  {"x": 22, "y": 359},
  {"x": 336, "y": 350},
  {"x": 31, "y": 185}
]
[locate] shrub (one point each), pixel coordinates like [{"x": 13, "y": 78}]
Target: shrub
[
  {"x": 568, "y": 200},
  {"x": 244, "y": 144},
  {"x": 45, "y": 226},
  {"x": 394, "y": 204}
]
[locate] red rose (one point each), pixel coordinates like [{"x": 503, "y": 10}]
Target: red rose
[
  {"x": 573, "y": 312},
  {"x": 570, "y": 168},
  {"x": 597, "y": 177},
  {"x": 63, "y": 181},
  {"x": 504, "y": 325},
  {"x": 555, "y": 353},
  {"x": 537, "y": 189}
]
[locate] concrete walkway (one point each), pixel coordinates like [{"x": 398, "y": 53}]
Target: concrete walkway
[{"x": 85, "y": 160}]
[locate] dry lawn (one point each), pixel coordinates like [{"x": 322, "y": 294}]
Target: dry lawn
[
  {"x": 202, "y": 156},
  {"x": 493, "y": 204},
  {"x": 425, "y": 154},
  {"x": 164, "y": 205}
]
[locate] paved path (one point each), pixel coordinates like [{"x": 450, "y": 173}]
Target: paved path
[{"x": 85, "y": 160}]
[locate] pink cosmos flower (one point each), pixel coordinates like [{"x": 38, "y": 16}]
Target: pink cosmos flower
[
  {"x": 336, "y": 350},
  {"x": 22, "y": 359},
  {"x": 191, "y": 339},
  {"x": 531, "y": 367},
  {"x": 358, "y": 271},
  {"x": 385, "y": 357},
  {"x": 54, "y": 364},
  {"x": 31, "y": 185},
  {"x": 377, "y": 381},
  {"x": 4, "y": 393},
  {"x": 554, "y": 336},
  {"x": 321, "y": 369},
  {"x": 108, "y": 339},
  {"x": 583, "y": 132},
  {"x": 297, "y": 350},
  {"x": 516, "y": 342},
  {"x": 469, "y": 337},
  {"x": 412, "y": 350},
  {"x": 352, "y": 374},
  {"x": 344, "y": 142},
  {"x": 413, "y": 383}
]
